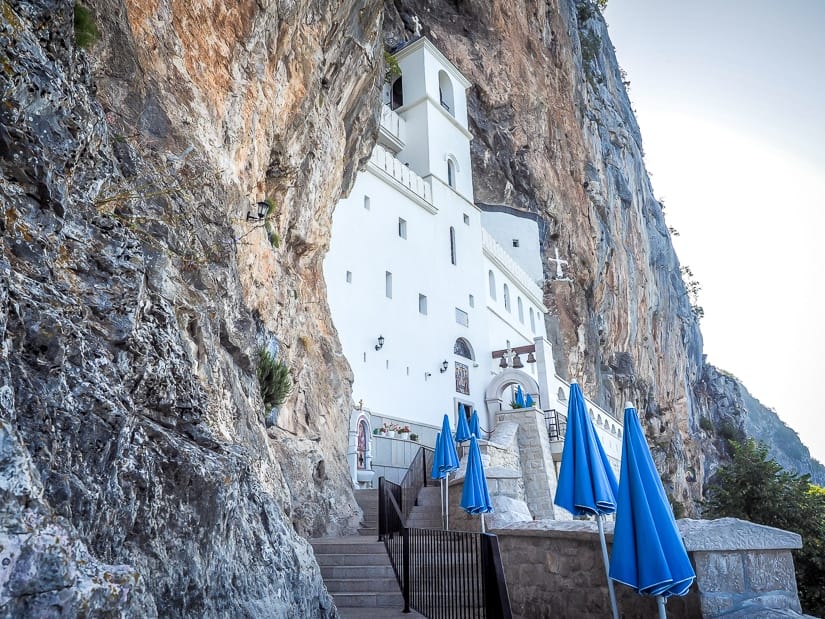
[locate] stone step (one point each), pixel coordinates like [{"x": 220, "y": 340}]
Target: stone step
[
  {"x": 369, "y": 600},
  {"x": 363, "y": 571},
  {"x": 361, "y": 585},
  {"x": 354, "y": 545},
  {"x": 351, "y": 560}
]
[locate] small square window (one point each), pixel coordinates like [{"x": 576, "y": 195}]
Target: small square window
[
  {"x": 466, "y": 219},
  {"x": 349, "y": 277},
  {"x": 402, "y": 228},
  {"x": 461, "y": 317},
  {"x": 367, "y": 202},
  {"x": 472, "y": 301},
  {"x": 422, "y": 304},
  {"x": 515, "y": 242}
]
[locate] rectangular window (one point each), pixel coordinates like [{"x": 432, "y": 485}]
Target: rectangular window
[
  {"x": 349, "y": 277},
  {"x": 472, "y": 301},
  {"x": 422, "y": 304},
  {"x": 367, "y": 202},
  {"x": 462, "y": 318},
  {"x": 515, "y": 243},
  {"x": 402, "y": 228},
  {"x": 388, "y": 284},
  {"x": 466, "y": 219}
]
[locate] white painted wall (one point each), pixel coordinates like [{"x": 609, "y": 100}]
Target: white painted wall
[{"x": 504, "y": 228}]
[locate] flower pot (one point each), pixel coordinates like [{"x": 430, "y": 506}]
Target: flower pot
[
  {"x": 390, "y": 433},
  {"x": 404, "y": 435}
]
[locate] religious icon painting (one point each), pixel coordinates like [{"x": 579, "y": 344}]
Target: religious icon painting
[{"x": 462, "y": 378}]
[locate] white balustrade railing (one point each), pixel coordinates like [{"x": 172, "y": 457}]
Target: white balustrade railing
[
  {"x": 384, "y": 160},
  {"x": 392, "y": 124},
  {"x": 504, "y": 259}
]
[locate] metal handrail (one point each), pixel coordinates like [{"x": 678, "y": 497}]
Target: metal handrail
[
  {"x": 556, "y": 423},
  {"x": 442, "y": 574}
]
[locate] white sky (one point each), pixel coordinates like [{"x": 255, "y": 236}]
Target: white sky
[{"x": 730, "y": 97}]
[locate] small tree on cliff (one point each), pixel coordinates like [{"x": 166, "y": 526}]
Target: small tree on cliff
[{"x": 754, "y": 488}]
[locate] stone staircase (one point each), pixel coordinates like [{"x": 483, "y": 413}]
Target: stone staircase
[
  {"x": 427, "y": 513},
  {"x": 356, "y": 569}
]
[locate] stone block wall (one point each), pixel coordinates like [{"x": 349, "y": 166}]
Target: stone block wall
[
  {"x": 536, "y": 459},
  {"x": 554, "y": 569},
  {"x": 742, "y": 568}
]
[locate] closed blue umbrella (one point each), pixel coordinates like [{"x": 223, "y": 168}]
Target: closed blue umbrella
[
  {"x": 528, "y": 401},
  {"x": 648, "y": 552},
  {"x": 475, "y": 498},
  {"x": 445, "y": 460},
  {"x": 462, "y": 431},
  {"x": 474, "y": 428},
  {"x": 519, "y": 397},
  {"x": 587, "y": 485}
]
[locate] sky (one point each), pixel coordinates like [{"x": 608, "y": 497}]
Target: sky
[{"x": 730, "y": 98}]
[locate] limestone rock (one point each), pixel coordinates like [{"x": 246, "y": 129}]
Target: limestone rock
[{"x": 135, "y": 295}]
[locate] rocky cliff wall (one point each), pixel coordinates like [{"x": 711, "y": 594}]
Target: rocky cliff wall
[{"x": 135, "y": 297}]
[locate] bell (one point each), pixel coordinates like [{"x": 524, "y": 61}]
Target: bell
[
  {"x": 503, "y": 363},
  {"x": 531, "y": 358},
  {"x": 517, "y": 364}
]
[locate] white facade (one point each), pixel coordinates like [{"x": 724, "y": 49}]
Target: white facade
[{"x": 411, "y": 262}]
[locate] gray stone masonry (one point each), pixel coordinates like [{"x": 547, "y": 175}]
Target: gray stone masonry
[
  {"x": 554, "y": 569},
  {"x": 742, "y": 568},
  {"x": 537, "y": 466}
]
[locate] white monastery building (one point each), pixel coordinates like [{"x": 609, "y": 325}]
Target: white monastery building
[{"x": 438, "y": 301}]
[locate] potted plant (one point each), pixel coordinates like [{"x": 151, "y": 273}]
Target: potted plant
[
  {"x": 414, "y": 437},
  {"x": 404, "y": 433},
  {"x": 389, "y": 429}
]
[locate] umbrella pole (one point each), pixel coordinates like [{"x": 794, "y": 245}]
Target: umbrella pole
[
  {"x": 482, "y": 523},
  {"x": 613, "y": 605},
  {"x": 447, "y": 503},
  {"x": 660, "y": 600},
  {"x": 441, "y": 497}
]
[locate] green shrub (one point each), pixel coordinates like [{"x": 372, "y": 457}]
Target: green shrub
[
  {"x": 391, "y": 68},
  {"x": 273, "y": 378},
  {"x": 86, "y": 33},
  {"x": 705, "y": 423}
]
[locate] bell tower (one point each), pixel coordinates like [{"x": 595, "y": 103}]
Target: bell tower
[{"x": 430, "y": 95}]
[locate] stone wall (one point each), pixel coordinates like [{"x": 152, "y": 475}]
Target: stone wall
[
  {"x": 554, "y": 569},
  {"x": 537, "y": 466}
]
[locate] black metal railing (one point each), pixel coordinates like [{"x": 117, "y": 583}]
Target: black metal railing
[
  {"x": 556, "y": 424},
  {"x": 417, "y": 477},
  {"x": 442, "y": 574}
]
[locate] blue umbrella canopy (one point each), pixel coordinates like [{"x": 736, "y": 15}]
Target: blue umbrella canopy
[
  {"x": 587, "y": 484},
  {"x": 474, "y": 428},
  {"x": 438, "y": 459},
  {"x": 528, "y": 401},
  {"x": 475, "y": 498},
  {"x": 462, "y": 431},
  {"x": 648, "y": 552},
  {"x": 450, "y": 457},
  {"x": 519, "y": 396}
]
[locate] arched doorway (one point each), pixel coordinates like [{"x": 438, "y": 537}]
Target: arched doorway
[{"x": 497, "y": 394}]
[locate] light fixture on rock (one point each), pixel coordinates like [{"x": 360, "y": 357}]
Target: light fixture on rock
[{"x": 261, "y": 210}]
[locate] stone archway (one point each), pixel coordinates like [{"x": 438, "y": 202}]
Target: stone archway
[{"x": 495, "y": 390}]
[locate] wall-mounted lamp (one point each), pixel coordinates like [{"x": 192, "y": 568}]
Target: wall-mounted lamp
[
  {"x": 427, "y": 375},
  {"x": 531, "y": 358},
  {"x": 261, "y": 209},
  {"x": 444, "y": 366},
  {"x": 380, "y": 343},
  {"x": 517, "y": 364}
]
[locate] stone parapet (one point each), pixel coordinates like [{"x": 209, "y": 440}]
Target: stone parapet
[{"x": 554, "y": 569}]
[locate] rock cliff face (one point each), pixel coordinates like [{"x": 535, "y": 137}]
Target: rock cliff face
[{"x": 135, "y": 297}]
